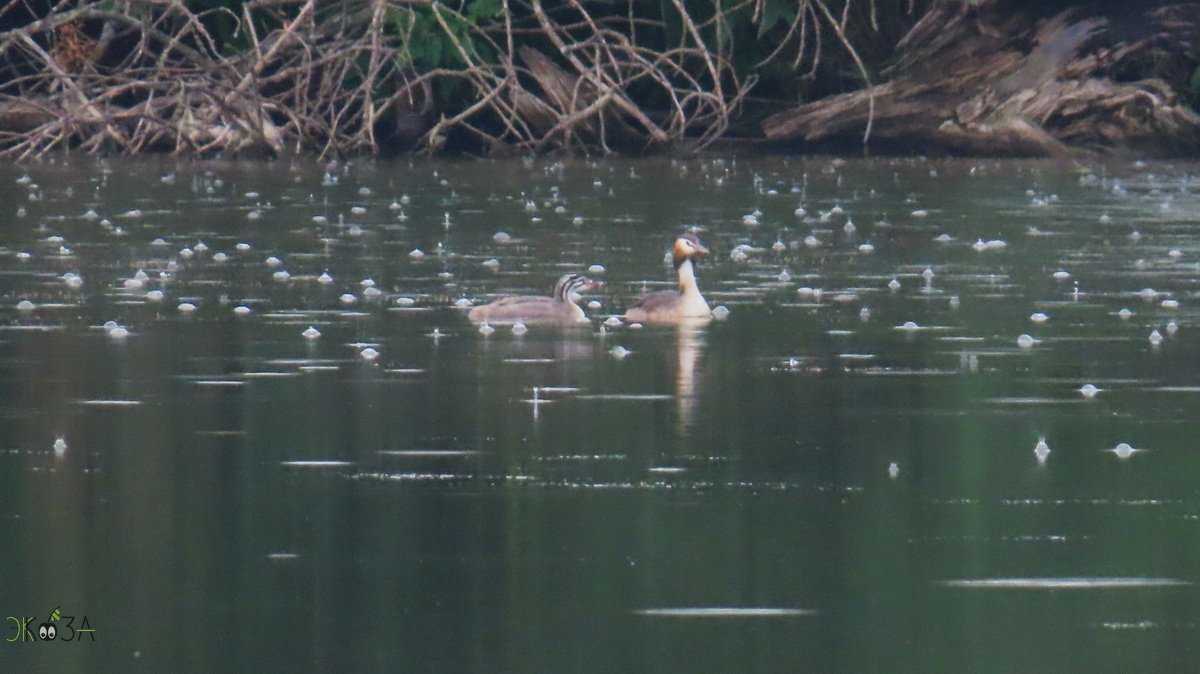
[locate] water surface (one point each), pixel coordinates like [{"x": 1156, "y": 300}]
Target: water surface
[{"x": 840, "y": 476}]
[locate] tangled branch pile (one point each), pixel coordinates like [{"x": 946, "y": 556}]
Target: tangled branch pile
[
  {"x": 206, "y": 76},
  {"x": 1005, "y": 77}
]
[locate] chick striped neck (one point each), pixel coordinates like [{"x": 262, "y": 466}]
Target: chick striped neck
[{"x": 567, "y": 285}]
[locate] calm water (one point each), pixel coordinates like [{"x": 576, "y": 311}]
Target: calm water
[{"x": 808, "y": 485}]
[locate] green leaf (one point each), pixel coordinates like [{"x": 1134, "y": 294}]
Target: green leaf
[
  {"x": 775, "y": 11},
  {"x": 484, "y": 9}
]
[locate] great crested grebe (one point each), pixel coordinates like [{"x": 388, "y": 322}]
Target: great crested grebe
[
  {"x": 536, "y": 309},
  {"x": 669, "y": 306}
]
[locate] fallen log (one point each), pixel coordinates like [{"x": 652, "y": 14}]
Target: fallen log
[{"x": 987, "y": 78}]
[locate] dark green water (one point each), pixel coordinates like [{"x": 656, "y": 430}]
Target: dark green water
[{"x": 795, "y": 488}]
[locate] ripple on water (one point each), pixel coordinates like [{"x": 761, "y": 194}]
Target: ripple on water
[
  {"x": 1065, "y": 583},
  {"x": 316, "y": 463},
  {"x": 725, "y": 612}
]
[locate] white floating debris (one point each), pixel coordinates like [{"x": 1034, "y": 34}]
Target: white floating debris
[
  {"x": 619, "y": 352},
  {"x": 372, "y": 292},
  {"x": 273, "y": 261},
  {"x": 186, "y": 253},
  {"x": 893, "y": 470},
  {"x": 242, "y": 247},
  {"x": 200, "y": 247},
  {"x": 596, "y": 269},
  {"x": 118, "y": 332},
  {"x": 159, "y": 243},
  {"x": 348, "y": 299},
  {"x": 281, "y": 275},
  {"x": 311, "y": 333},
  {"x": 405, "y": 301},
  {"x": 368, "y": 354},
  {"x": 1124, "y": 450},
  {"x": 920, "y": 213},
  {"x": 241, "y": 310},
  {"x": 612, "y": 322},
  {"x": 220, "y": 257},
  {"x": 1089, "y": 390},
  {"x": 1155, "y": 338},
  {"x": 943, "y": 238},
  {"x": 154, "y": 295},
  {"x": 894, "y": 284},
  {"x": 486, "y": 329},
  {"x": 1038, "y": 317},
  {"x": 720, "y": 312},
  {"x": 1026, "y": 341},
  {"x": 60, "y": 447},
  {"x": 1172, "y": 328},
  {"x": 1125, "y": 314},
  {"x": 325, "y": 278},
  {"x": 1170, "y": 304},
  {"x": 866, "y": 248},
  {"x": 186, "y": 308},
  {"x": 1062, "y": 275},
  {"x": 1041, "y": 450},
  {"x": 416, "y": 254},
  {"x": 908, "y": 326},
  {"x": 519, "y": 328},
  {"x": 463, "y": 303}
]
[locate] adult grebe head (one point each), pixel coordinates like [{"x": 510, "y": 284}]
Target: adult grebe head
[{"x": 687, "y": 246}]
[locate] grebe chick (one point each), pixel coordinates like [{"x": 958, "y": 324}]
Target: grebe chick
[
  {"x": 560, "y": 308},
  {"x": 669, "y": 306}
]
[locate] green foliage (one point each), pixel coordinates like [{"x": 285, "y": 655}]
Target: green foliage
[{"x": 428, "y": 44}]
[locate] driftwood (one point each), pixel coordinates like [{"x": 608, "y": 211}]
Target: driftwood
[{"x": 973, "y": 79}]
